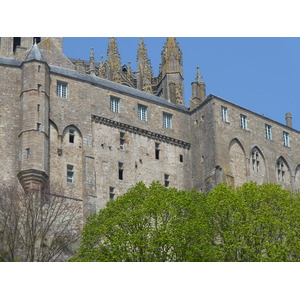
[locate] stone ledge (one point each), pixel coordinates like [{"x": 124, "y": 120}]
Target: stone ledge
[{"x": 143, "y": 132}]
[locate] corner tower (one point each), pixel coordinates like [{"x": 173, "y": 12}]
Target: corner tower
[
  {"x": 34, "y": 135},
  {"x": 171, "y": 73}
]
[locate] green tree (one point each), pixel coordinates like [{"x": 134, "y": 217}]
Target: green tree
[
  {"x": 256, "y": 223},
  {"x": 150, "y": 224}
]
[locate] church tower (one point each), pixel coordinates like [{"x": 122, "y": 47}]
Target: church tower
[
  {"x": 171, "y": 73},
  {"x": 34, "y": 135}
]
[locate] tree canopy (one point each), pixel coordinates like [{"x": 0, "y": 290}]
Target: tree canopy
[
  {"x": 250, "y": 223},
  {"x": 149, "y": 224}
]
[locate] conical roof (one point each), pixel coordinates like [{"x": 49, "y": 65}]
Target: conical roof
[{"x": 34, "y": 54}]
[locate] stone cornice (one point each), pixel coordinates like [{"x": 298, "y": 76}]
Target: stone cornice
[{"x": 140, "y": 131}]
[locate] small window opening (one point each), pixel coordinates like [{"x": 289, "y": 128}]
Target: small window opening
[
  {"x": 38, "y": 107},
  {"x": 39, "y": 88},
  {"x": 122, "y": 140},
  {"x": 121, "y": 170},
  {"x": 70, "y": 173},
  {"x": 36, "y": 40},
  {"x": 71, "y": 136},
  {"x": 111, "y": 192},
  {"x": 27, "y": 152},
  {"x": 167, "y": 180},
  {"x": 16, "y": 43},
  {"x": 39, "y": 69},
  {"x": 157, "y": 150},
  {"x": 38, "y": 126},
  {"x": 181, "y": 158}
]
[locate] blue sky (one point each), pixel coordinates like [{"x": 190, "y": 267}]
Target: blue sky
[{"x": 260, "y": 74}]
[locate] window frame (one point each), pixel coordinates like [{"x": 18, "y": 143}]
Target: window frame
[
  {"x": 167, "y": 120},
  {"x": 268, "y": 131},
  {"x": 62, "y": 89},
  {"x": 122, "y": 140},
  {"x": 115, "y": 104},
  {"x": 71, "y": 136},
  {"x": 224, "y": 114},
  {"x": 70, "y": 173},
  {"x": 244, "y": 122},
  {"x": 142, "y": 112},
  {"x": 286, "y": 139}
]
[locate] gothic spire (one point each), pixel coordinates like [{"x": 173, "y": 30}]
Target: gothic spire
[
  {"x": 144, "y": 68},
  {"x": 92, "y": 62},
  {"x": 171, "y": 56},
  {"x": 113, "y": 61}
]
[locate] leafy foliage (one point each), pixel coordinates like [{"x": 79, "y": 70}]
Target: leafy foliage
[
  {"x": 252, "y": 223},
  {"x": 149, "y": 224},
  {"x": 256, "y": 223}
]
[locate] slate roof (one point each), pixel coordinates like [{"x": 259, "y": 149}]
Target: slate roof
[{"x": 34, "y": 54}]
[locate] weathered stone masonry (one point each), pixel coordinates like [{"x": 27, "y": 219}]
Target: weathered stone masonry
[{"x": 92, "y": 130}]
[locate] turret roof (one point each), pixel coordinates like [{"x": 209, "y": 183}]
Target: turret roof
[{"x": 34, "y": 54}]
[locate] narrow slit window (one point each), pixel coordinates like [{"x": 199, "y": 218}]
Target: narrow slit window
[
  {"x": 181, "y": 158},
  {"x": 71, "y": 136},
  {"x": 268, "y": 132},
  {"x": 27, "y": 152},
  {"x": 224, "y": 114},
  {"x": 157, "y": 150},
  {"x": 286, "y": 139},
  {"x": 111, "y": 192},
  {"x": 16, "y": 43},
  {"x": 121, "y": 170},
  {"x": 122, "y": 140},
  {"x": 70, "y": 173},
  {"x": 167, "y": 180},
  {"x": 38, "y": 126},
  {"x": 38, "y": 107},
  {"x": 244, "y": 122}
]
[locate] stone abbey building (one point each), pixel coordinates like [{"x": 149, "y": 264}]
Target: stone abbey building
[{"x": 92, "y": 130}]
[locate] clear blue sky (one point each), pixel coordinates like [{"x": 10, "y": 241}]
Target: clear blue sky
[{"x": 260, "y": 74}]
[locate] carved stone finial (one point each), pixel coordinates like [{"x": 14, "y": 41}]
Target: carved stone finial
[{"x": 199, "y": 77}]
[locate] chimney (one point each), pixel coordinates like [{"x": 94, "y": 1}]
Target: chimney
[{"x": 288, "y": 119}]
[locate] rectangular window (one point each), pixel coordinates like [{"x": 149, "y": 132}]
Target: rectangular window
[
  {"x": 121, "y": 170},
  {"x": 38, "y": 126},
  {"x": 115, "y": 105},
  {"x": 244, "y": 122},
  {"x": 27, "y": 152},
  {"x": 71, "y": 136},
  {"x": 181, "y": 158},
  {"x": 286, "y": 139},
  {"x": 61, "y": 90},
  {"x": 111, "y": 192},
  {"x": 157, "y": 150},
  {"x": 70, "y": 173},
  {"x": 167, "y": 120},
  {"x": 38, "y": 107},
  {"x": 268, "y": 132},
  {"x": 167, "y": 180},
  {"x": 142, "y": 113},
  {"x": 122, "y": 140},
  {"x": 224, "y": 114}
]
